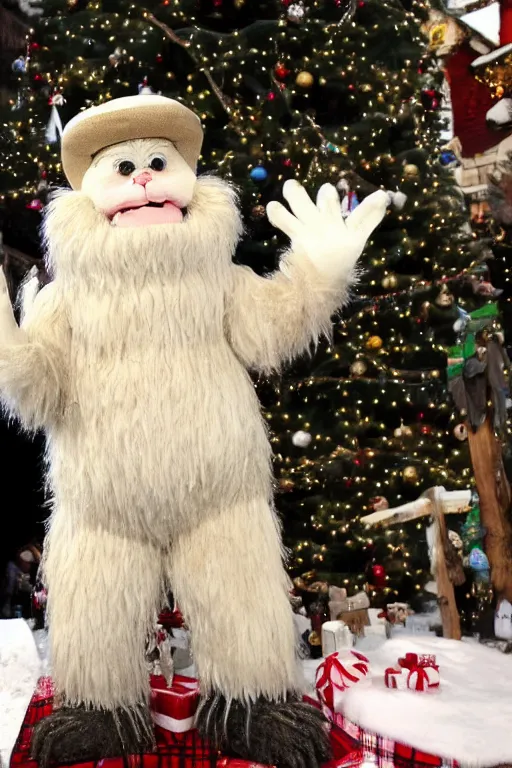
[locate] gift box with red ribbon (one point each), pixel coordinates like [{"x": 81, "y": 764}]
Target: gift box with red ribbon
[{"x": 415, "y": 673}]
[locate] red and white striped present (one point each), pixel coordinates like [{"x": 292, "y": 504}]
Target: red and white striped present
[
  {"x": 339, "y": 672},
  {"x": 174, "y": 709}
]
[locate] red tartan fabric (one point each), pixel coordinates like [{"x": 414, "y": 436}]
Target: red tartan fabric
[
  {"x": 174, "y": 750},
  {"x": 379, "y": 750}
]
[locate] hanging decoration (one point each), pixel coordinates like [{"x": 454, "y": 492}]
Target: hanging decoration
[
  {"x": 349, "y": 10},
  {"x": 296, "y": 12},
  {"x": 54, "y": 127},
  {"x": 477, "y": 364}
]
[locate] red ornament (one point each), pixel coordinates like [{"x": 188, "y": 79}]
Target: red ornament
[
  {"x": 34, "y": 205},
  {"x": 34, "y": 47},
  {"x": 159, "y": 58},
  {"x": 271, "y": 96},
  {"x": 281, "y": 71},
  {"x": 44, "y": 174},
  {"x": 379, "y": 576},
  {"x": 426, "y": 429},
  {"x": 287, "y": 162},
  {"x": 38, "y": 77},
  {"x": 351, "y": 87}
]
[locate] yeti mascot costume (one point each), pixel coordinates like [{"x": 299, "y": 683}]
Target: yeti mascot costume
[{"x": 134, "y": 360}]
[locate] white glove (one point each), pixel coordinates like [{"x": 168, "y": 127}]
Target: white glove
[
  {"x": 331, "y": 242},
  {"x": 10, "y": 333}
]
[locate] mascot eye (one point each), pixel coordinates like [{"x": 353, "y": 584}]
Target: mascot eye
[
  {"x": 158, "y": 163},
  {"x": 125, "y": 167}
]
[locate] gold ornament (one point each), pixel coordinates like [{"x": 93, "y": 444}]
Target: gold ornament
[
  {"x": 374, "y": 342},
  {"x": 403, "y": 431},
  {"x": 390, "y": 281},
  {"x": 305, "y": 79},
  {"x": 366, "y": 87},
  {"x": 314, "y": 639},
  {"x": 358, "y": 368},
  {"x": 410, "y": 474},
  {"x": 258, "y": 211},
  {"x": 461, "y": 432},
  {"x": 445, "y": 297},
  {"x": 411, "y": 171},
  {"x": 286, "y": 485}
]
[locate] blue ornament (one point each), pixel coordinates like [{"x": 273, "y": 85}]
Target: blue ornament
[
  {"x": 19, "y": 65},
  {"x": 478, "y": 560},
  {"x": 448, "y": 157},
  {"x": 259, "y": 173}
]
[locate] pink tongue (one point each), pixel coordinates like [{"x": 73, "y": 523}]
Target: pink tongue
[{"x": 148, "y": 215}]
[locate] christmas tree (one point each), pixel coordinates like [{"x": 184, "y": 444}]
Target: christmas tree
[{"x": 332, "y": 90}]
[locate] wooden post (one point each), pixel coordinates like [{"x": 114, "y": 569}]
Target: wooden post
[
  {"x": 438, "y": 503},
  {"x": 445, "y": 593},
  {"x": 494, "y": 492}
]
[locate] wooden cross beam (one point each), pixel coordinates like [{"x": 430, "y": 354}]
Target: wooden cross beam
[{"x": 436, "y": 502}]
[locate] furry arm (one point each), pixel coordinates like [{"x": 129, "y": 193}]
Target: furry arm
[
  {"x": 32, "y": 358},
  {"x": 271, "y": 320}
]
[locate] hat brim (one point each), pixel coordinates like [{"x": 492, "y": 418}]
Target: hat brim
[{"x": 127, "y": 119}]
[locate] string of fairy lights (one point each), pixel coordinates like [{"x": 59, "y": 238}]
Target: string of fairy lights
[{"x": 373, "y": 380}]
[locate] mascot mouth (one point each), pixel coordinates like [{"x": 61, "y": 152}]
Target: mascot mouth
[{"x": 147, "y": 214}]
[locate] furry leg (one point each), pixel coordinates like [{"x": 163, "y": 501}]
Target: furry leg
[
  {"x": 228, "y": 577},
  {"x": 103, "y": 593}
]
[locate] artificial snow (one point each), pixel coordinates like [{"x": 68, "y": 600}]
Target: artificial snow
[
  {"x": 468, "y": 720},
  {"x": 20, "y": 667}
]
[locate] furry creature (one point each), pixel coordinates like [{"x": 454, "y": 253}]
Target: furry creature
[{"x": 134, "y": 360}]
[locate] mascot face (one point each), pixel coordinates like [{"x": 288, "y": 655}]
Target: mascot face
[{"x": 140, "y": 183}]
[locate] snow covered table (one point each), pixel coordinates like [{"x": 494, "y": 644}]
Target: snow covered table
[
  {"x": 468, "y": 720},
  {"x": 20, "y": 668}
]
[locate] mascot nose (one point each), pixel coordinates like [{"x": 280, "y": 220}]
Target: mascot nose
[{"x": 142, "y": 178}]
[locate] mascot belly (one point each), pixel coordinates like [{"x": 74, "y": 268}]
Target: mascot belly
[{"x": 134, "y": 361}]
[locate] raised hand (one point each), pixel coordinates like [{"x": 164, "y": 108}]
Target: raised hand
[{"x": 331, "y": 242}]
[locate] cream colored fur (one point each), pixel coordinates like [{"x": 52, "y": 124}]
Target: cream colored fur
[{"x": 134, "y": 361}]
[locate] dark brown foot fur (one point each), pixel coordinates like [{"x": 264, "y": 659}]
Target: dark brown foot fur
[
  {"x": 77, "y": 735},
  {"x": 287, "y": 734}
]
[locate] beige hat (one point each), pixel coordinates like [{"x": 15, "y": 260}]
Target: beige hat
[{"x": 131, "y": 117}]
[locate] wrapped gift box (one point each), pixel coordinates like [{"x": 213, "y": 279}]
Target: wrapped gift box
[
  {"x": 180, "y": 749},
  {"x": 174, "y": 709}
]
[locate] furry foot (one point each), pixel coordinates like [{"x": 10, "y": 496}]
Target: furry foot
[
  {"x": 287, "y": 734},
  {"x": 76, "y": 735}
]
